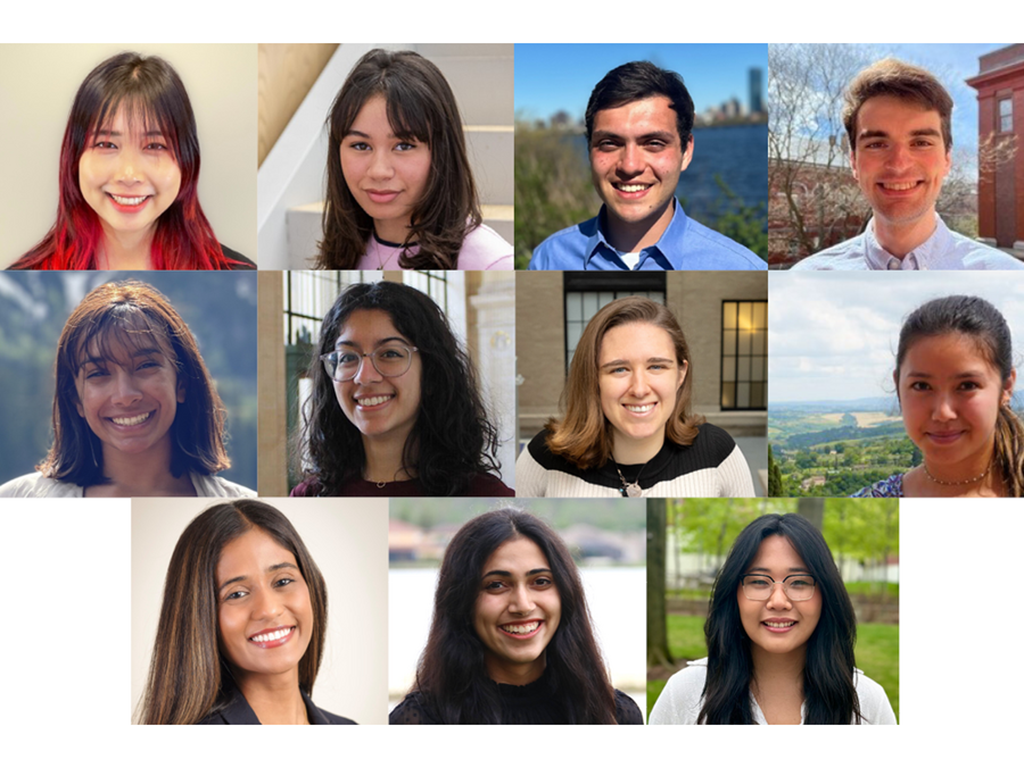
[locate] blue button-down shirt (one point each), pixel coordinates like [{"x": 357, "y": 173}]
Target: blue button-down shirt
[
  {"x": 685, "y": 244},
  {"x": 943, "y": 250}
]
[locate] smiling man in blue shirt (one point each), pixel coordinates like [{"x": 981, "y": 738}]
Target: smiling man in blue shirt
[{"x": 640, "y": 133}]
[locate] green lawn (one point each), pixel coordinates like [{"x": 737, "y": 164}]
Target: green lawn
[{"x": 877, "y": 654}]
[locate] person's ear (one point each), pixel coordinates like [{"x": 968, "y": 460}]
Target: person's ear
[{"x": 687, "y": 155}]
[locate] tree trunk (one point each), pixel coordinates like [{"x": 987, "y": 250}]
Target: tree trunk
[
  {"x": 657, "y": 628},
  {"x": 812, "y": 509}
]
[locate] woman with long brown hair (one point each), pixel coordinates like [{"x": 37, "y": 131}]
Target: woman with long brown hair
[
  {"x": 627, "y": 428},
  {"x": 400, "y": 190},
  {"x": 242, "y": 625}
]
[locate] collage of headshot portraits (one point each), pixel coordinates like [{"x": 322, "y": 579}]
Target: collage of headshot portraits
[{"x": 629, "y": 359}]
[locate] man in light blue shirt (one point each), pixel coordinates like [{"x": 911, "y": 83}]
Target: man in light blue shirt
[
  {"x": 897, "y": 117},
  {"x": 640, "y": 133}
]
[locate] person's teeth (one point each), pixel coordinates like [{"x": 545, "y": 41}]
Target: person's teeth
[
  {"x": 131, "y": 421},
  {"x": 270, "y": 636},
  {"x": 639, "y": 408},
  {"x": 521, "y": 629},
  {"x": 632, "y": 187},
  {"x": 376, "y": 400},
  {"x": 901, "y": 187},
  {"x": 128, "y": 200}
]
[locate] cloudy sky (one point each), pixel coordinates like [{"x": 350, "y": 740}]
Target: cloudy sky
[{"x": 832, "y": 335}]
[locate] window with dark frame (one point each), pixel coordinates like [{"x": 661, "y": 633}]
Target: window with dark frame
[
  {"x": 744, "y": 356},
  {"x": 587, "y": 292}
]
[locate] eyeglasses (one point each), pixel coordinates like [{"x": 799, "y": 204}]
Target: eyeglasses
[
  {"x": 389, "y": 361},
  {"x": 797, "y": 586}
]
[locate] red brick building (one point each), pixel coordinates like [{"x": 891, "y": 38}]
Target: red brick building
[{"x": 1000, "y": 86}]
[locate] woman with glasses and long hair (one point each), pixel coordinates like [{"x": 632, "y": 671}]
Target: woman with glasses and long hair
[
  {"x": 129, "y": 176},
  {"x": 400, "y": 190},
  {"x": 395, "y": 408},
  {"x": 780, "y": 636},
  {"x": 135, "y": 411},
  {"x": 511, "y": 640},
  {"x": 242, "y": 625},
  {"x": 628, "y": 429}
]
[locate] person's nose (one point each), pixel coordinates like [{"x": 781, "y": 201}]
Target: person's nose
[
  {"x": 631, "y": 160},
  {"x": 944, "y": 409},
  {"x": 367, "y": 372},
  {"x": 126, "y": 389},
  {"x": 129, "y": 170},
  {"x": 778, "y": 600},
  {"x": 898, "y": 158},
  {"x": 266, "y": 605},
  {"x": 639, "y": 385},
  {"x": 381, "y": 167},
  {"x": 520, "y": 600}
]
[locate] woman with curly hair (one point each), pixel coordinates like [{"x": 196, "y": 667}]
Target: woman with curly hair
[{"x": 395, "y": 408}]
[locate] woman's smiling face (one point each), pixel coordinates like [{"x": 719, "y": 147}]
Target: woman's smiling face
[
  {"x": 128, "y": 175},
  {"x": 517, "y": 611},
  {"x": 129, "y": 395},
  {"x": 264, "y": 615}
]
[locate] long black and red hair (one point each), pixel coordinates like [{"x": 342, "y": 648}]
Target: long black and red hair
[{"x": 148, "y": 90}]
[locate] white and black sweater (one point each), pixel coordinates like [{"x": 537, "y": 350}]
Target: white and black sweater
[{"x": 713, "y": 466}]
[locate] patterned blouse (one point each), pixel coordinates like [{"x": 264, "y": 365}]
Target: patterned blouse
[{"x": 891, "y": 487}]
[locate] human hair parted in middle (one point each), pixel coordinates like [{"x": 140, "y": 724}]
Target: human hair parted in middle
[
  {"x": 452, "y": 675},
  {"x": 828, "y": 686},
  {"x": 421, "y": 107},
  {"x": 583, "y": 435},
  {"x": 187, "y": 668}
]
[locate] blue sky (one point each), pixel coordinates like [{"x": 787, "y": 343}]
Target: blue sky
[
  {"x": 554, "y": 77},
  {"x": 832, "y": 335}
]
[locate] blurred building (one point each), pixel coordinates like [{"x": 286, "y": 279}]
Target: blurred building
[
  {"x": 1000, "y": 86},
  {"x": 756, "y": 80}
]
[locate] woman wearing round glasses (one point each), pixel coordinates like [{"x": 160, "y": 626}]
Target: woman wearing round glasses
[
  {"x": 395, "y": 409},
  {"x": 780, "y": 636}
]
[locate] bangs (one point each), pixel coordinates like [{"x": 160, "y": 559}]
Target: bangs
[
  {"x": 140, "y": 116},
  {"x": 407, "y": 114},
  {"x": 119, "y": 335}
]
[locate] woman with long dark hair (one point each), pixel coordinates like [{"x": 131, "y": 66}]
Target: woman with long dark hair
[
  {"x": 628, "y": 429},
  {"x": 400, "y": 190},
  {"x": 135, "y": 411},
  {"x": 954, "y": 379},
  {"x": 780, "y": 636},
  {"x": 129, "y": 174},
  {"x": 511, "y": 639},
  {"x": 242, "y": 625},
  {"x": 395, "y": 408}
]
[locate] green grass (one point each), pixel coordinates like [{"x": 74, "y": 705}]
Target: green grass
[
  {"x": 877, "y": 654},
  {"x": 872, "y": 588}
]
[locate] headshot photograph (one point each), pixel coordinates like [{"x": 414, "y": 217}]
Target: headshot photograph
[
  {"x": 119, "y": 386},
  {"x": 241, "y": 608},
  {"x": 387, "y": 387},
  {"x": 516, "y": 614},
  {"x": 895, "y": 387},
  {"x": 104, "y": 143},
  {"x": 386, "y": 157},
  {"x": 642, "y": 385},
  {"x": 674, "y": 140},
  {"x": 895, "y": 157},
  {"x": 785, "y": 613}
]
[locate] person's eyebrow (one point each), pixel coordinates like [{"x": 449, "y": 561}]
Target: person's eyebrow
[
  {"x": 270, "y": 569},
  {"x": 344, "y": 343},
  {"x": 872, "y": 134},
  {"x": 767, "y": 570},
  {"x": 616, "y": 363},
  {"x": 508, "y": 574}
]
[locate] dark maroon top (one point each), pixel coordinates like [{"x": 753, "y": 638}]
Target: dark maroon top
[{"x": 481, "y": 485}]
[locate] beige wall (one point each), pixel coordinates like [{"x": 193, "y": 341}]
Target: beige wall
[{"x": 286, "y": 73}]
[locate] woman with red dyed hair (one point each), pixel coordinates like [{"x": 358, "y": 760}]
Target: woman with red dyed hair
[{"x": 129, "y": 170}]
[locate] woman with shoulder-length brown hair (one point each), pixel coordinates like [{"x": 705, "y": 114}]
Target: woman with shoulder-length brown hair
[
  {"x": 242, "y": 625},
  {"x": 627, "y": 428},
  {"x": 135, "y": 411}
]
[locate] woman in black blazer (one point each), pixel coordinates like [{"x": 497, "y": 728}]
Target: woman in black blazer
[{"x": 242, "y": 568}]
